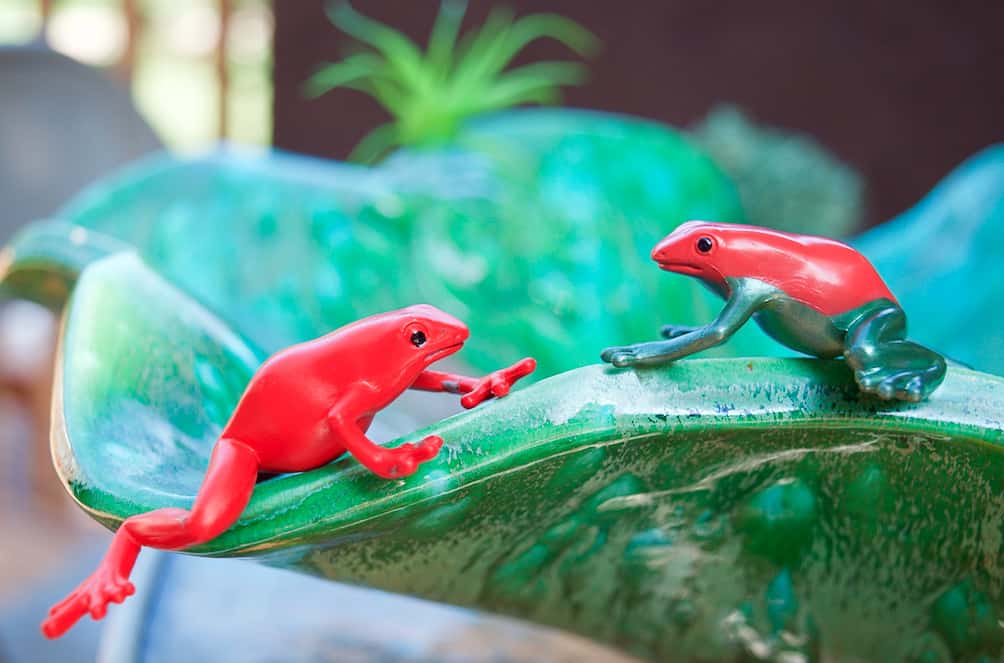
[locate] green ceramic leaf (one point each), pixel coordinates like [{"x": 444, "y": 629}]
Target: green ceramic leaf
[
  {"x": 708, "y": 510},
  {"x": 150, "y": 373},
  {"x": 535, "y": 229},
  {"x": 42, "y": 262},
  {"x": 307, "y": 245}
]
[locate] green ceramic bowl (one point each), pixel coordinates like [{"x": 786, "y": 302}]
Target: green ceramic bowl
[{"x": 731, "y": 509}]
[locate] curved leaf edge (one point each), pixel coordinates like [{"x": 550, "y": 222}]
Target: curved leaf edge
[{"x": 591, "y": 406}]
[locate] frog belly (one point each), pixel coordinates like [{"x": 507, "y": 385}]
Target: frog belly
[{"x": 801, "y": 328}]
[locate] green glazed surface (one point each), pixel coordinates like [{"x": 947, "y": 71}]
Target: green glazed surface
[
  {"x": 743, "y": 509},
  {"x": 534, "y": 228},
  {"x": 751, "y": 509}
]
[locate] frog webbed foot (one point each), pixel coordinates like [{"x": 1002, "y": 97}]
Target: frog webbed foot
[
  {"x": 888, "y": 365},
  {"x": 903, "y": 371},
  {"x": 891, "y": 383},
  {"x": 640, "y": 353}
]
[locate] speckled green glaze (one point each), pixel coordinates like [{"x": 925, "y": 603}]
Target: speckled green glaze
[
  {"x": 534, "y": 227},
  {"x": 752, "y": 509}
]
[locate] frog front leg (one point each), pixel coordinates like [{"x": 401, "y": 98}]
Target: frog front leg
[
  {"x": 747, "y": 296},
  {"x": 476, "y": 390},
  {"x": 386, "y": 463},
  {"x": 885, "y": 363}
]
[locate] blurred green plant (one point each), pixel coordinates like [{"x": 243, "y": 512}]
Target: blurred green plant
[
  {"x": 430, "y": 94},
  {"x": 785, "y": 180}
]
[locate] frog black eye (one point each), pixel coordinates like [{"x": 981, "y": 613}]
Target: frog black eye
[
  {"x": 704, "y": 245},
  {"x": 418, "y": 338}
]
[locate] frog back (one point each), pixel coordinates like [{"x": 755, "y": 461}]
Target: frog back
[{"x": 824, "y": 274}]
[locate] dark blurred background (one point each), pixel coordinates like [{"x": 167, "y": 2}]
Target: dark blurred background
[{"x": 902, "y": 91}]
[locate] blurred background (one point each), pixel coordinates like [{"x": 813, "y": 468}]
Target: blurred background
[
  {"x": 196, "y": 71},
  {"x": 899, "y": 92}
]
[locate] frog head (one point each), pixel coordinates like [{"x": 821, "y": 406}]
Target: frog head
[{"x": 696, "y": 248}]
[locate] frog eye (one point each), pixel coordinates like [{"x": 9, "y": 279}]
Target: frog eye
[
  {"x": 705, "y": 244},
  {"x": 418, "y": 338}
]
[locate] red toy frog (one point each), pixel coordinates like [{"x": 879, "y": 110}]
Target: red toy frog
[
  {"x": 306, "y": 406},
  {"x": 813, "y": 294}
]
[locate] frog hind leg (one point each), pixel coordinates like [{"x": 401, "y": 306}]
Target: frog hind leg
[
  {"x": 885, "y": 363},
  {"x": 225, "y": 491}
]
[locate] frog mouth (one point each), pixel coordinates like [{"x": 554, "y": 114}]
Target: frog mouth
[
  {"x": 436, "y": 355},
  {"x": 688, "y": 268}
]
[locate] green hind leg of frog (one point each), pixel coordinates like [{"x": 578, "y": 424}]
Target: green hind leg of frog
[{"x": 885, "y": 363}]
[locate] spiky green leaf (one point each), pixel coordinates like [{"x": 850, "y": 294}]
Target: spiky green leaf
[{"x": 430, "y": 94}]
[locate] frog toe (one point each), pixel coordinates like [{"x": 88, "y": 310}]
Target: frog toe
[
  {"x": 619, "y": 356},
  {"x": 869, "y": 380},
  {"x": 885, "y": 390},
  {"x": 910, "y": 388},
  {"x": 891, "y": 383},
  {"x": 623, "y": 359}
]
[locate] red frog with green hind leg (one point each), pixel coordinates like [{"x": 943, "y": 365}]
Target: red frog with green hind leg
[
  {"x": 814, "y": 295},
  {"x": 305, "y": 406}
]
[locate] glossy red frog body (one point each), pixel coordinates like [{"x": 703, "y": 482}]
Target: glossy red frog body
[
  {"x": 813, "y": 294},
  {"x": 305, "y": 406}
]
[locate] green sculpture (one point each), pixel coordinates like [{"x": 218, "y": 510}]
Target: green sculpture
[
  {"x": 520, "y": 246},
  {"x": 713, "y": 509}
]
